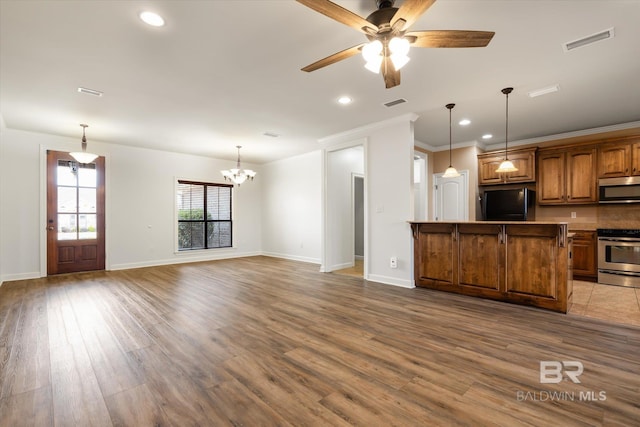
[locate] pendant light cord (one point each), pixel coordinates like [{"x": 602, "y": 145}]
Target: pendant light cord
[{"x": 450, "y": 107}]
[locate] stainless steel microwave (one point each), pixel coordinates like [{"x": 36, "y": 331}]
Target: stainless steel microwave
[{"x": 619, "y": 190}]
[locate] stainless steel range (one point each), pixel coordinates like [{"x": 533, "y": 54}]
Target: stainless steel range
[{"x": 619, "y": 257}]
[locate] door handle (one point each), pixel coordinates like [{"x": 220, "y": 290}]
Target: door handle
[{"x": 50, "y": 228}]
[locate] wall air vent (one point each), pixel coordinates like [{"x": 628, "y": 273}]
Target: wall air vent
[
  {"x": 602, "y": 35},
  {"x": 394, "y": 103},
  {"x": 90, "y": 91}
]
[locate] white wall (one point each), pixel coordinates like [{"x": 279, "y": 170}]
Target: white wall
[
  {"x": 140, "y": 197},
  {"x": 291, "y": 207},
  {"x": 389, "y": 194}
]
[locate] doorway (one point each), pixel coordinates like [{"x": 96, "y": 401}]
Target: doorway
[
  {"x": 344, "y": 178},
  {"x": 75, "y": 214}
]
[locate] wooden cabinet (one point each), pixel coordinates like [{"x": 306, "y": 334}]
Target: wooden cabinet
[
  {"x": 435, "y": 256},
  {"x": 524, "y": 263},
  {"x": 567, "y": 176},
  {"x": 585, "y": 261},
  {"x": 619, "y": 159},
  {"x": 523, "y": 159}
]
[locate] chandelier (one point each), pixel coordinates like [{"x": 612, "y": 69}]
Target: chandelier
[
  {"x": 238, "y": 175},
  {"x": 83, "y": 156}
]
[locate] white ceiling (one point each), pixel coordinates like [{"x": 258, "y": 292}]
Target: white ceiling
[{"x": 222, "y": 73}]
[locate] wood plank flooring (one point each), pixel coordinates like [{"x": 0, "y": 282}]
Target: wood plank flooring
[{"x": 262, "y": 341}]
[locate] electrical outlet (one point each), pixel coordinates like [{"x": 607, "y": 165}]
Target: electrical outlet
[
  {"x": 573, "y": 215},
  {"x": 393, "y": 262}
]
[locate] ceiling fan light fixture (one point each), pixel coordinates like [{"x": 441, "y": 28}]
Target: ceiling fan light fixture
[{"x": 372, "y": 54}]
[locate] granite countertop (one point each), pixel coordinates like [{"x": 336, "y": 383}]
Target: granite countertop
[{"x": 493, "y": 222}]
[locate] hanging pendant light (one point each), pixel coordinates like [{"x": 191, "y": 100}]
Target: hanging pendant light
[
  {"x": 506, "y": 165},
  {"x": 238, "y": 175},
  {"x": 83, "y": 156},
  {"x": 451, "y": 172}
]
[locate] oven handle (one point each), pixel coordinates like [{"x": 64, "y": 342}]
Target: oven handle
[
  {"x": 619, "y": 273},
  {"x": 619, "y": 239}
]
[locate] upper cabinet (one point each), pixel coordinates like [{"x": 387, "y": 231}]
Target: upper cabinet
[
  {"x": 619, "y": 159},
  {"x": 523, "y": 159},
  {"x": 567, "y": 176}
]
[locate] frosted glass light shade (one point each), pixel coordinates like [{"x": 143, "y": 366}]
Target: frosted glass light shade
[
  {"x": 451, "y": 172},
  {"x": 506, "y": 166},
  {"x": 83, "y": 156}
]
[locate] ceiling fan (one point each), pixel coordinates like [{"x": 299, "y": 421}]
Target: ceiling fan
[{"x": 389, "y": 36}]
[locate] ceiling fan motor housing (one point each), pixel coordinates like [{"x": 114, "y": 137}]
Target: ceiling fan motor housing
[{"x": 384, "y": 3}]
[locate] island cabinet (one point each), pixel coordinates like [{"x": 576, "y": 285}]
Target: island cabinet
[
  {"x": 619, "y": 159},
  {"x": 523, "y": 159},
  {"x": 523, "y": 263},
  {"x": 567, "y": 176}
]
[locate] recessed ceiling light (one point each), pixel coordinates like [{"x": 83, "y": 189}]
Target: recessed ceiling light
[
  {"x": 344, "y": 100},
  {"x": 487, "y": 136},
  {"x": 152, "y": 19},
  {"x": 544, "y": 91},
  {"x": 464, "y": 122}
]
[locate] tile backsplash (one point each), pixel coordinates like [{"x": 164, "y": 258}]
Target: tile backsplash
[{"x": 592, "y": 217}]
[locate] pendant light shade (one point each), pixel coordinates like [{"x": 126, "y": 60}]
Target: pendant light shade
[
  {"x": 506, "y": 165},
  {"x": 83, "y": 156},
  {"x": 451, "y": 172},
  {"x": 238, "y": 175}
]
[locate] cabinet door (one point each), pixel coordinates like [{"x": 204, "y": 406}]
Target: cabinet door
[
  {"x": 436, "y": 256},
  {"x": 487, "y": 174},
  {"x": 614, "y": 160},
  {"x": 635, "y": 158},
  {"x": 580, "y": 177},
  {"x": 533, "y": 254},
  {"x": 525, "y": 162},
  {"x": 584, "y": 255},
  {"x": 481, "y": 258},
  {"x": 551, "y": 174}
]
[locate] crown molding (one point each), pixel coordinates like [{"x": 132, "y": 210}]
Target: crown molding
[{"x": 365, "y": 130}]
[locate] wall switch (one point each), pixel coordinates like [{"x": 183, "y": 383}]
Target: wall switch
[
  {"x": 393, "y": 262},
  {"x": 573, "y": 215}
]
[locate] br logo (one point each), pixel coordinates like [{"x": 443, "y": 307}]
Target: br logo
[{"x": 551, "y": 371}]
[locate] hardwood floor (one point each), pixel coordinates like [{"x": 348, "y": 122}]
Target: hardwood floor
[{"x": 262, "y": 341}]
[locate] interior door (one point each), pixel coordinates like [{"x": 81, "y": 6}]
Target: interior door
[
  {"x": 75, "y": 214},
  {"x": 451, "y": 197}
]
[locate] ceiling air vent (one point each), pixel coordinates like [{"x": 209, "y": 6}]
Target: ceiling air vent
[
  {"x": 89, "y": 91},
  {"x": 394, "y": 103},
  {"x": 602, "y": 35}
]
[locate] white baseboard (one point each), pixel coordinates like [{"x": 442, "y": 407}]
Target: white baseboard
[
  {"x": 182, "y": 260},
  {"x": 390, "y": 281},
  {"x": 19, "y": 276},
  {"x": 291, "y": 257}
]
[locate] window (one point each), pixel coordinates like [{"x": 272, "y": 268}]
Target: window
[{"x": 204, "y": 215}]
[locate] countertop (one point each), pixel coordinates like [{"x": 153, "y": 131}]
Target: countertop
[{"x": 493, "y": 222}]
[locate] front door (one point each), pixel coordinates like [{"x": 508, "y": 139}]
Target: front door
[{"x": 75, "y": 214}]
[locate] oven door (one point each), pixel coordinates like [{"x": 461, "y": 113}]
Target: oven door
[{"x": 619, "y": 254}]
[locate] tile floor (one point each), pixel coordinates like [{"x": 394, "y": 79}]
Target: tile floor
[
  {"x": 615, "y": 303},
  {"x": 612, "y": 303}
]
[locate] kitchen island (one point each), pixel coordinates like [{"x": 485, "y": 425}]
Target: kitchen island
[{"x": 525, "y": 263}]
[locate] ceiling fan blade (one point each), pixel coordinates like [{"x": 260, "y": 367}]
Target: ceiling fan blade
[
  {"x": 410, "y": 11},
  {"x": 450, "y": 38},
  {"x": 332, "y": 59},
  {"x": 390, "y": 74},
  {"x": 340, "y": 14}
]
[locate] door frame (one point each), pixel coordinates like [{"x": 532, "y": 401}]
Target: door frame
[{"x": 43, "y": 202}]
